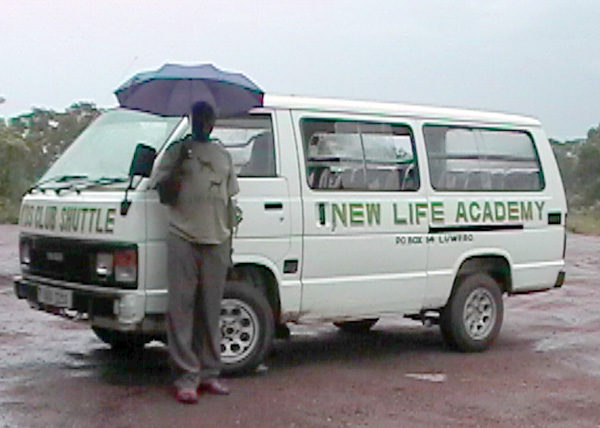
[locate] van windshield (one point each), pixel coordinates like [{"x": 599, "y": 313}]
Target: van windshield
[{"x": 103, "y": 152}]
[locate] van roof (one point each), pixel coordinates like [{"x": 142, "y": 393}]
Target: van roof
[{"x": 393, "y": 109}]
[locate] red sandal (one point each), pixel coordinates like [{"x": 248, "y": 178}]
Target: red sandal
[{"x": 187, "y": 396}]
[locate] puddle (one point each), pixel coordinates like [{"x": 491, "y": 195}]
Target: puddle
[{"x": 429, "y": 377}]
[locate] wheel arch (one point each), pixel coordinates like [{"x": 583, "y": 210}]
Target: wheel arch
[
  {"x": 262, "y": 277},
  {"x": 497, "y": 265}
]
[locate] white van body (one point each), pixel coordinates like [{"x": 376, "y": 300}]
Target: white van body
[{"x": 351, "y": 211}]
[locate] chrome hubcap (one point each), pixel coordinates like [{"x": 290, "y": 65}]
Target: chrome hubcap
[
  {"x": 479, "y": 315},
  {"x": 239, "y": 330}
]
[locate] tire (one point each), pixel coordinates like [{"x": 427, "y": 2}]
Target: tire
[
  {"x": 473, "y": 316},
  {"x": 247, "y": 328},
  {"x": 358, "y": 326},
  {"x": 121, "y": 341}
]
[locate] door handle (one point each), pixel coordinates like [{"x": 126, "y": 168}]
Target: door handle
[{"x": 273, "y": 206}]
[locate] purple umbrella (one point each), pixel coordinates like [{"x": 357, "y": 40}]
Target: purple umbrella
[{"x": 173, "y": 89}]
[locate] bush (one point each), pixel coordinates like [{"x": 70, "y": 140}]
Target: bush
[
  {"x": 585, "y": 220},
  {"x": 9, "y": 210}
]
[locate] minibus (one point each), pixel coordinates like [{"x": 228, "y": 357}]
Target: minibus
[{"x": 352, "y": 211}]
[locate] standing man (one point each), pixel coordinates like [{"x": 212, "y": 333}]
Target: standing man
[{"x": 201, "y": 222}]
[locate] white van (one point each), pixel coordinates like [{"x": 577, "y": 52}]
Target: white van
[{"x": 352, "y": 211}]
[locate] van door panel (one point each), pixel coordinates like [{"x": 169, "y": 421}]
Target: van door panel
[
  {"x": 267, "y": 182},
  {"x": 364, "y": 251}
]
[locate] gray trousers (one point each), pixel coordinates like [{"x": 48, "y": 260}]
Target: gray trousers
[{"x": 197, "y": 275}]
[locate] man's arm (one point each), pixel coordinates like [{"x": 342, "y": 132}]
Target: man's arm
[
  {"x": 167, "y": 163},
  {"x": 233, "y": 188}
]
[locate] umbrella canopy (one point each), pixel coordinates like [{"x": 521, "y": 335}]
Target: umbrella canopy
[{"x": 173, "y": 89}]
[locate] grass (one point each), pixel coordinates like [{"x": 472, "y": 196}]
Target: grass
[{"x": 584, "y": 221}]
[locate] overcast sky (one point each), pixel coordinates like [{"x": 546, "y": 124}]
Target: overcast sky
[{"x": 534, "y": 57}]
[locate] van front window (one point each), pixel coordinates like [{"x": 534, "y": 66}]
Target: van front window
[
  {"x": 250, "y": 142},
  {"x": 105, "y": 149}
]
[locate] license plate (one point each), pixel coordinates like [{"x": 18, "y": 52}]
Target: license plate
[{"x": 55, "y": 297}]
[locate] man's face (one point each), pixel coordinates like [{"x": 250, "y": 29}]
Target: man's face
[{"x": 208, "y": 126}]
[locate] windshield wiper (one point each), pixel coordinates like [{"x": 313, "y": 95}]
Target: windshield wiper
[
  {"x": 98, "y": 182},
  {"x": 83, "y": 182},
  {"x": 103, "y": 181},
  {"x": 57, "y": 179}
]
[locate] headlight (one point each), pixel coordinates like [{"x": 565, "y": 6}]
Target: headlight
[
  {"x": 117, "y": 267},
  {"x": 104, "y": 265}
]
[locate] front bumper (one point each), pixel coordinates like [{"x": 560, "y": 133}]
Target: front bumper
[
  {"x": 83, "y": 302},
  {"x": 116, "y": 310}
]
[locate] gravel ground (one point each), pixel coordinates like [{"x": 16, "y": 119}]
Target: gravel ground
[{"x": 543, "y": 370}]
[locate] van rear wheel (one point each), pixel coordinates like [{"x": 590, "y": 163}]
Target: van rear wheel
[{"x": 473, "y": 316}]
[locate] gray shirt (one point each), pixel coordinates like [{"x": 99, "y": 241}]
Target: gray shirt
[{"x": 204, "y": 212}]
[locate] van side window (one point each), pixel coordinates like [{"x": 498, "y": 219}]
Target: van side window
[
  {"x": 347, "y": 155},
  {"x": 472, "y": 159},
  {"x": 250, "y": 142}
]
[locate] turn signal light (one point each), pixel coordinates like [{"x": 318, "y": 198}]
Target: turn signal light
[
  {"x": 25, "y": 252},
  {"x": 125, "y": 265}
]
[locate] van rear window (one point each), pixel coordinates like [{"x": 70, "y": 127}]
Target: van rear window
[
  {"x": 475, "y": 159},
  {"x": 367, "y": 156}
]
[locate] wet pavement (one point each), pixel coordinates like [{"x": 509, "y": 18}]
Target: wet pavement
[{"x": 543, "y": 370}]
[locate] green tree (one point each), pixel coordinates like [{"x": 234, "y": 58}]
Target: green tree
[
  {"x": 49, "y": 134},
  {"x": 588, "y": 168},
  {"x": 30, "y": 143},
  {"x": 14, "y": 171},
  {"x": 566, "y": 154}
]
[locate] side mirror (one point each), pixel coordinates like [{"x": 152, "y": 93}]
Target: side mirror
[
  {"x": 141, "y": 165},
  {"x": 143, "y": 160}
]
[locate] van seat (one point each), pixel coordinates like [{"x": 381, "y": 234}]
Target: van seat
[
  {"x": 262, "y": 157},
  {"x": 392, "y": 180},
  {"x": 353, "y": 178},
  {"x": 375, "y": 179},
  {"x": 478, "y": 180},
  {"x": 314, "y": 175},
  {"x": 329, "y": 180},
  {"x": 522, "y": 180},
  {"x": 453, "y": 180},
  {"x": 497, "y": 180}
]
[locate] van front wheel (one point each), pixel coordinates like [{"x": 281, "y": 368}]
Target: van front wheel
[
  {"x": 247, "y": 328},
  {"x": 472, "y": 318}
]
